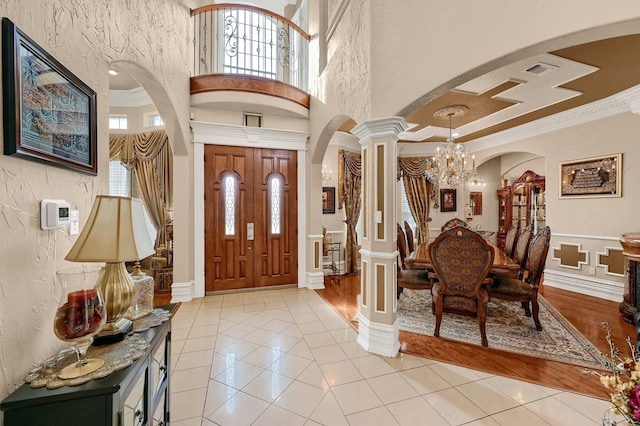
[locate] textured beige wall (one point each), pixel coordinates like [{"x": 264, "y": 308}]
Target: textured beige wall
[{"x": 84, "y": 35}]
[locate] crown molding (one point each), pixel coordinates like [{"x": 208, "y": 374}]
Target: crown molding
[
  {"x": 625, "y": 101},
  {"x": 258, "y": 137},
  {"x": 380, "y": 128}
]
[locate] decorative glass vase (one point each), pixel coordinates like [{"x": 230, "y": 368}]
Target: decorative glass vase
[
  {"x": 80, "y": 315},
  {"x": 143, "y": 300}
]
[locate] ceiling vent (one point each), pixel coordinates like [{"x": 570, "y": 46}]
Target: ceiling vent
[{"x": 541, "y": 69}]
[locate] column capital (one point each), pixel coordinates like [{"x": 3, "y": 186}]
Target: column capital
[{"x": 380, "y": 128}]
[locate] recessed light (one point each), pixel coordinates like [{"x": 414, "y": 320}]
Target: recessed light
[{"x": 113, "y": 72}]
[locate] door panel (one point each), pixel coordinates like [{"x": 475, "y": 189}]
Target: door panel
[{"x": 232, "y": 260}]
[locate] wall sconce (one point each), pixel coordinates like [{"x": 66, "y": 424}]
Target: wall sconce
[{"x": 326, "y": 174}]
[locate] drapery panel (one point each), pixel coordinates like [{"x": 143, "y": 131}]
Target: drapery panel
[
  {"x": 349, "y": 195},
  {"x": 419, "y": 190},
  {"x": 150, "y": 157}
]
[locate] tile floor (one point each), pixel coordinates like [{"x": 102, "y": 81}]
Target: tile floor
[{"x": 286, "y": 358}]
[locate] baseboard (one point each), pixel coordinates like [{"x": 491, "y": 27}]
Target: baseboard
[
  {"x": 182, "y": 292},
  {"x": 380, "y": 339},
  {"x": 596, "y": 287},
  {"x": 315, "y": 280}
]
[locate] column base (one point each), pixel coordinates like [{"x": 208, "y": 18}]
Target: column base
[{"x": 380, "y": 339}]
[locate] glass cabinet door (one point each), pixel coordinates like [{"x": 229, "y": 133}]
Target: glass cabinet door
[
  {"x": 134, "y": 405},
  {"x": 159, "y": 368},
  {"x": 538, "y": 208},
  {"x": 158, "y": 416}
]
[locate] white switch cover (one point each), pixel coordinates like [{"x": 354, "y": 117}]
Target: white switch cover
[
  {"x": 74, "y": 222},
  {"x": 378, "y": 216}
]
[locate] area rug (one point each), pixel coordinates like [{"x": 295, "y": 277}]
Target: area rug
[{"x": 508, "y": 329}]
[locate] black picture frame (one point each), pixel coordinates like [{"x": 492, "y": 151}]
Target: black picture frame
[
  {"x": 328, "y": 199},
  {"x": 448, "y": 200},
  {"x": 49, "y": 113}
]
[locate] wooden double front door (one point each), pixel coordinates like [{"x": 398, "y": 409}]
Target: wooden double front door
[{"x": 251, "y": 217}]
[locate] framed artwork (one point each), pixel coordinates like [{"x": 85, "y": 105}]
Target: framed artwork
[
  {"x": 591, "y": 177},
  {"x": 475, "y": 202},
  {"x": 49, "y": 114},
  {"x": 328, "y": 199},
  {"x": 448, "y": 200}
]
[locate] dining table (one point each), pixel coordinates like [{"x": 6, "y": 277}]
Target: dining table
[{"x": 502, "y": 264}]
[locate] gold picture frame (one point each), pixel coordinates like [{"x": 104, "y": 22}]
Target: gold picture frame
[{"x": 591, "y": 177}]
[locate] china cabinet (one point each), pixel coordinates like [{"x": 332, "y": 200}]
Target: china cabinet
[
  {"x": 136, "y": 395},
  {"x": 521, "y": 204}
]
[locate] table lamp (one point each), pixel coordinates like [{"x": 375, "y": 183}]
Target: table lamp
[{"x": 115, "y": 233}]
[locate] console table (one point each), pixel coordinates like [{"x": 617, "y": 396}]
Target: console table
[
  {"x": 629, "y": 305},
  {"x": 136, "y": 395}
]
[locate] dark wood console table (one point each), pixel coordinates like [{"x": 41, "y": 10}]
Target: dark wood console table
[{"x": 138, "y": 395}]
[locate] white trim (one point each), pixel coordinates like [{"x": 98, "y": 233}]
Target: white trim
[
  {"x": 346, "y": 141},
  {"x": 379, "y": 254},
  {"x": 384, "y": 295},
  {"x": 596, "y": 287},
  {"x": 255, "y": 137},
  {"x": 336, "y": 18},
  {"x": 380, "y": 339},
  {"x": 302, "y": 221},
  {"x": 182, "y": 292},
  {"x": 606, "y": 267},
  {"x": 580, "y": 263},
  {"x": 198, "y": 218},
  {"x": 385, "y": 201},
  {"x": 314, "y": 280},
  {"x": 586, "y": 237},
  {"x": 379, "y": 128}
]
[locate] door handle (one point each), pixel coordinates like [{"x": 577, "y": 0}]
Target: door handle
[{"x": 250, "y": 231}]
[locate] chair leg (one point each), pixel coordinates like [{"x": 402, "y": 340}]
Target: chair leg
[
  {"x": 525, "y": 306},
  {"x": 482, "y": 321},
  {"x": 535, "y": 308},
  {"x": 399, "y": 292},
  {"x": 438, "y": 313}
]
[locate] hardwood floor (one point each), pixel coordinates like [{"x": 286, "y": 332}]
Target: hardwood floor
[{"x": 584, "y": 312}]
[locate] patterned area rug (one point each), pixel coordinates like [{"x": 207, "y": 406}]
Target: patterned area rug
[{"x": 508, "y": 329}]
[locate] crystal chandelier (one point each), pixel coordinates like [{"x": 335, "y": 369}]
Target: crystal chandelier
[{"x": 451, "y": 162}]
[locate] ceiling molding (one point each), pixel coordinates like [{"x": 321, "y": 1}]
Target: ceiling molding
[
  {"x": 626, "y": 101},
  {"x": 136, "y": 97}
]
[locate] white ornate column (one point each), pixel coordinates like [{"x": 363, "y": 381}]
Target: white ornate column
[{"x": 378, "y": 329}]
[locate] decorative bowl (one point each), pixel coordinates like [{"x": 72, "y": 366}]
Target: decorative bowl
[{"x": 630, "y": 242}]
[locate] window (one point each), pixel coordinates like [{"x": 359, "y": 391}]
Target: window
[
  {"x": 118, "y": 121},
  {"x": 120, "y": 185},
  {"x": 406, "y": 211},
  {"x": 250, "y": 43},
  {"x": 229, "y": 205},
  {"x": 275, "y": 186},
  {"x": 156, "y": 120}
]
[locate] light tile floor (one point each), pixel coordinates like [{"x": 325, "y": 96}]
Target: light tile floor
[{"x": 285, "y": 357}]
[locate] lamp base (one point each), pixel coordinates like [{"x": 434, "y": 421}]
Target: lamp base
[{"x": 113, "y": 332}]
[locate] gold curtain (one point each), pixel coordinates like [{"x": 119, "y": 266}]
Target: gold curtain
[
  {"x": 349, "y": 191},
  {"x": 419, "y": 192},
  {"x": 150, "y": 157}
]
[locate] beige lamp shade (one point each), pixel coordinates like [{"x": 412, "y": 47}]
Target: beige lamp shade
[{"x": 115, "y": 231}]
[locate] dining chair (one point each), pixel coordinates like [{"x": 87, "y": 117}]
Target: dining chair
[
  {"x": 461, "y": 259},
  {"x": 414, "y": 279},
  {"x": 526, "y": 290},
  {"x": 452, "y": 223},
  {"x": 409, "y": 234},
  {"x": 521, "y": 249},
  {"x": 510, "y": 241},
  {"x": 402, "y": 242}
]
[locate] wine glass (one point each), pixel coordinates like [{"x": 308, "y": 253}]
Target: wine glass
[{"x": 80, "y": 315}]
